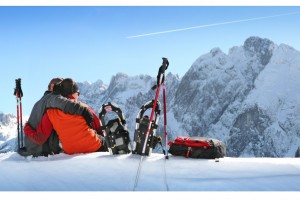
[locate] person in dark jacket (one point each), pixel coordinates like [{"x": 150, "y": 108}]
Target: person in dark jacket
[
  {"x": 49, "y": 100},
  {"x": 75, "y": 135}
]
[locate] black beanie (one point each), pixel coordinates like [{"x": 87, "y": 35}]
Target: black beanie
[{"x": 68, "y": 86}]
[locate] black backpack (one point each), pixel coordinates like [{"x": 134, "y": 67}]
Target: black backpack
[
  {"x": 197, "y": 147},
  {"x": 50, "y": 147},
  {"x": 142, "y": 124},
  {"x": 115, "y": 131}
]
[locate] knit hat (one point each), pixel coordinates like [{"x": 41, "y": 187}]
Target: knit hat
[{"x": 68, "y": 87}]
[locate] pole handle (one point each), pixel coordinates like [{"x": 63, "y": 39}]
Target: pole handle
[
  {"x": 161, "y": 73},
  {"x": 164, "y": 66},
  {"x": 18, "y": 89}
]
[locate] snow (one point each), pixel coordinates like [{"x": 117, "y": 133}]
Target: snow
[{"x": 100, "y": 171}]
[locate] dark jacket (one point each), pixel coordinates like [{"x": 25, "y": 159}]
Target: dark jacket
[{"x": 54, "y": 101}]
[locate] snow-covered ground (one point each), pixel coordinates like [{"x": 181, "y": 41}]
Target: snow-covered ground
[{"x": 103, "y": 172}]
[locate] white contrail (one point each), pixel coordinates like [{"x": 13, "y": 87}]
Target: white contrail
[{"x": 210, "y": 25}]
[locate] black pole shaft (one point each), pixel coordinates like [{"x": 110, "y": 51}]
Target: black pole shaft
[
  {"x": 165, "y": 121},
  {"x": 18, "y": 123},
  {"x": 21, "y": 123}
]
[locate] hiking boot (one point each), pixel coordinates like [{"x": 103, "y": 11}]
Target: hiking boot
[{"x": 23, "y": 152}]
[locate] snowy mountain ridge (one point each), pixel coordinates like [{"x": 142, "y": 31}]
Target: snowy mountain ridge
[
  {"x": 248, "y": 98},
  {"x": 8, "y": 132},
  {"x": 230, "y": 94}
]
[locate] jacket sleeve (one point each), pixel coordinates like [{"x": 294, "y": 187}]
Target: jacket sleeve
[
  {"x": 42, "y": 133},
  {"x": 96, "y": 123},
  {"x": 69, "y": 107},
  {"x": 65, "y": 105}
]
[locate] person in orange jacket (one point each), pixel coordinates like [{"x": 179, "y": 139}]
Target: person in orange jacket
[
  {"x": 75, "y": 135},
  {"x": 45, "y": 143}
]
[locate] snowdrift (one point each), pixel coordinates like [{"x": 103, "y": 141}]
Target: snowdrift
[{"x": 103, "y": 172}]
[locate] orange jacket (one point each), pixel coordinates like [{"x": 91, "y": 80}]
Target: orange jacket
[{"x": 73, "y": 132}]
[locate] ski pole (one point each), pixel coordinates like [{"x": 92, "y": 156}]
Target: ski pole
[
  {"x": 18, "y": 123},
  {"x": 19, "y": 94},
  {"x": 165, "y": 120},
  {"x": 160, "y": 76},
  {"x": 21, "y": 122},
  {"x": 160, "y": 79}
]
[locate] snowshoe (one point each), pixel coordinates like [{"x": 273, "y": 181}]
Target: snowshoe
[
  {"x": 140, "y": 146},
  {"x": 115, "y": 130}
]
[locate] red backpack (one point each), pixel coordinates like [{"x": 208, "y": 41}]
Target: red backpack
[{"x": 197, "y": 147}]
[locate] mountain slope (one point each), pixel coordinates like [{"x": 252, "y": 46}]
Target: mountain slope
[
  {"x": 248, "y": 98},
  {"x": 7, "y": 132}
]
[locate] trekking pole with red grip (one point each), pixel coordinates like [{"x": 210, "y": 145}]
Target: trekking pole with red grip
[
  {"x": 160, "y": 80},
  {"x": 19, "y": 94}
]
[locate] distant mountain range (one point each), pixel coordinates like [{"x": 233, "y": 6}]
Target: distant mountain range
[{"x": 248, "y": 98}]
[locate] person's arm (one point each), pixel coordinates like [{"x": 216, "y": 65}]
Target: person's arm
[
  {"x": 42, "y": 133},
  {"x": 96, "y": 123},
  {"x": 69, "y": 107}
]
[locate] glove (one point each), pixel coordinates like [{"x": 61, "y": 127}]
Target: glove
[{"x": 88, "y": 116}]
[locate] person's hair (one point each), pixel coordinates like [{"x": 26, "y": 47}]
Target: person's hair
[
  {"x": 54, "y": 81},
  {"x": 68, "y": 86}
]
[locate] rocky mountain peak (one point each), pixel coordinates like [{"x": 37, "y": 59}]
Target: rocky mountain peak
[{"x": 261, "y": 48}]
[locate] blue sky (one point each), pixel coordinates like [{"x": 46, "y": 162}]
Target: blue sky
[{"x": 89, "y": 43}]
